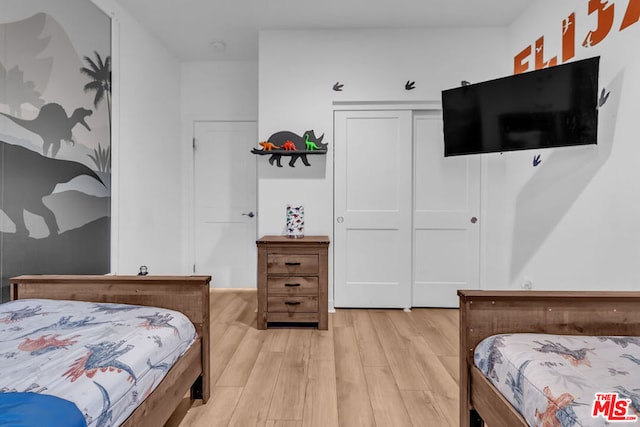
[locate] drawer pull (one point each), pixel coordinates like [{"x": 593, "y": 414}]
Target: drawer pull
[
  {"x": 292, "y": 302},
  {"x": 291, "y": 263},
  {"x": 291, "y": 285}
]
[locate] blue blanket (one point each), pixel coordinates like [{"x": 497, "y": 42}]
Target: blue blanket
[{"x": 38, "y": 410}]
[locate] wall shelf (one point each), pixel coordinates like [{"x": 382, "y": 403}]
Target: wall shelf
[{"x": 277, "y": 154}]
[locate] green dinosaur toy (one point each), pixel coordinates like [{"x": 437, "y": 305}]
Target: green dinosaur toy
[{"x": 310, "y": 144}]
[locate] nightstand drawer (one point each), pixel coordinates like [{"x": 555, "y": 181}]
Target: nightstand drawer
[
  {"x": 298, "y": 304},
  {"x": 292, "y": 285},
  {"x": 292, "y": 264}
]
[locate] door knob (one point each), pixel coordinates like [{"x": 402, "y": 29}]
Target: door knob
[
  {"x": 250, "y": 214},
  {"x": 473, "y": 220},
  {"x": 340, "y": 219}
]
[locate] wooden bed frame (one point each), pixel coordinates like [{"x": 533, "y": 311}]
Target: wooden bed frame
[
  {"x": 485, "y": 313},
  {"x": 187, "y": 294}
]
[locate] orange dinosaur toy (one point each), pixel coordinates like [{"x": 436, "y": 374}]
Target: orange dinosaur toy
[{"x": 267, "y": 146}]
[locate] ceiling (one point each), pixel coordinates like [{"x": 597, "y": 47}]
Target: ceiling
[{"x": 189, "y": 28}]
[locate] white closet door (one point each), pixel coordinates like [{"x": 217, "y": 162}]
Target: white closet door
[
  {"x": 372, "y": 234},
  {"x": 446, "y": 218}
]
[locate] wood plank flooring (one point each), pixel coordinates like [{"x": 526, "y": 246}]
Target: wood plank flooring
[{"x": 371, "y": 368}]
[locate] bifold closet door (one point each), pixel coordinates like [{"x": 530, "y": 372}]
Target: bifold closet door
[{"x": 372, "y": 221}]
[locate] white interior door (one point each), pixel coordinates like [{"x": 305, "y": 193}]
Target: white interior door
[
  {"x": 225, "y": 203},
  {"x": 372, "y": 229},
  {"x": 446, "y": 218}
]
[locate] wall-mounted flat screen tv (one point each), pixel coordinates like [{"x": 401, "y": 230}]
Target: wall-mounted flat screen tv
[{"x": 551, "y": 107}]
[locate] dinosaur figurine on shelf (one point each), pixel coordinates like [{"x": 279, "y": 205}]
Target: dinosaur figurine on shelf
[
  {"x": 267, "y": 146},
  {"x": 310, "y": 144},
  {"x": 300, "y": 143},
  {"x": 289, "y": 146}
]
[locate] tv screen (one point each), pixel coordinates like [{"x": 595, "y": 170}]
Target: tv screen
[{"x": 551, "y": 107}]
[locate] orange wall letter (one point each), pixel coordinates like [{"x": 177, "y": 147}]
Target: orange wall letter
[
  {"x": 633, "y": 14},
  {"x": 605, "y": 21},
  {"x": 569, "y": 37},
  {"x": 540, "y": 63},
  {"x": 520, "y": 63}
]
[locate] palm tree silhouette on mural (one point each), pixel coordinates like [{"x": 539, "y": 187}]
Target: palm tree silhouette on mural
[
  {"x": 53, "y": 125},
  {"x": 100, "y": 73}
]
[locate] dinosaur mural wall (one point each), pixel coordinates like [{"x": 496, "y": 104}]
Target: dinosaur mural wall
[
  {"x": 38, "y": 176},
  {"x": 55, "y": 176},
  {"x": 16, "y": 91},
  {"x": 53, "y": 125}
]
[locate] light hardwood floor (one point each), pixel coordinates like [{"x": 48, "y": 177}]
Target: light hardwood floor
[{"x": 371, "y": 368}]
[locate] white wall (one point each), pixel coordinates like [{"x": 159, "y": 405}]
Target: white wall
[
  {"x": 212, "y": 91},
  {"x": 219, "y": 90},
  {"x": 297, "y": 70},
  {"x": 572, "y": 222},
  {"x": 569, "y": 223},
  {"x": 147, "y": 191},
  {"x": 157, "y": 99}
]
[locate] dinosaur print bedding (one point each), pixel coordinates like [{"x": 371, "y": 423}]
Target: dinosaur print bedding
[
  {"x": 552, "y": 380},
  {"x": 105, "y": 358}
]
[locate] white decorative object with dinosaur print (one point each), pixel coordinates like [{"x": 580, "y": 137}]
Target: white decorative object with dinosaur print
[{"x": 295, "y": 221}]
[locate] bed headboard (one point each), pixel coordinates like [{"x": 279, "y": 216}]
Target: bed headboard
[
  {"x": 485, "y": 313},
  {"x": 187, "y": 294}
]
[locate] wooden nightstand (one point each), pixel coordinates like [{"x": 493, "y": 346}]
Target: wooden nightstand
[{"x": 293, "y": 280}]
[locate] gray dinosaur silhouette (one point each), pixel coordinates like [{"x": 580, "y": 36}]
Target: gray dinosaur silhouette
[
  {"x": 28, "y": 177},
  {"x": 53, "y": 125},
  {"x": 16, "y": 91}
]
